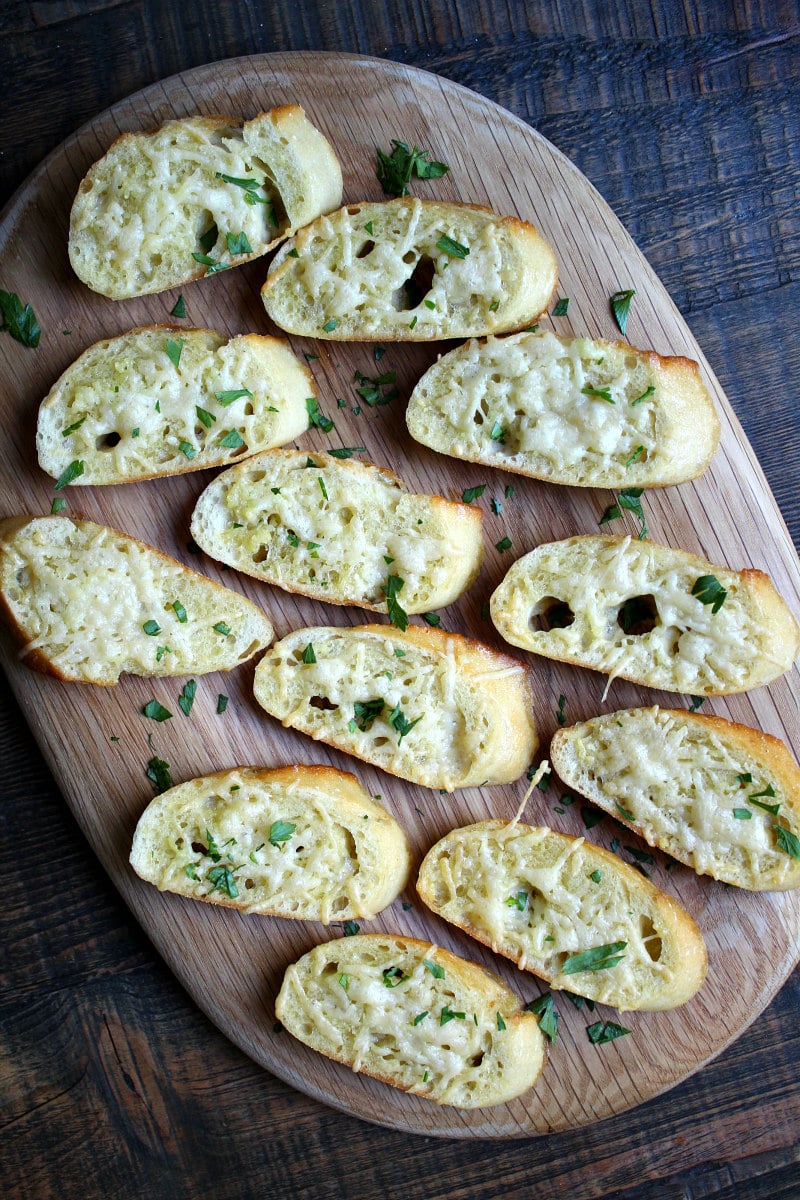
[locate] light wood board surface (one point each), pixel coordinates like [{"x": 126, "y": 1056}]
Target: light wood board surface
[{"x": 232, "y": 965}]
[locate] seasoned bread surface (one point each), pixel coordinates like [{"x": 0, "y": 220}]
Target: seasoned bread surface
[
  {"x": 341, "y": 531},
  {"x": 435, "y": 708},
  {"x": 720, "y": 797},
  {"x": 634, "y": 609},
  {"x": 569, "y": 410},
  {"x": 410, "y": 270},
  {"x": 163, "y": 400},
  {"x": 207, "y": 186},
  {"x": 542, "y": 898},
  {"x": 414, "y": 1016},
  {"x": 301, "y": 842},
  {"x": 90, "y": 603}
]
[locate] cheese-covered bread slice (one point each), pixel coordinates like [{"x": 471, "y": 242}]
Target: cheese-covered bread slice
[
  {"x": 569, "y": 911},
  {"x": 570, "y": 410},
  {"x": 660, "y": 617},
  {"x": 414, "y": 1016},
  {"x": 410, "y": 270},
  {"x": 196, "y": 196},
  {"x": 89, "y": 603},
  {"x": 162, "y": 400},
  {"x": 720, "y": 797},
  {"x": 435, "y": 708},
  {"x": 301, "y": 842},
  {"x": 343, "y": 531}
]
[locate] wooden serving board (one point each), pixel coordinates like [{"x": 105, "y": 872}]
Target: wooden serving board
[{"x": 98, "y": 742}]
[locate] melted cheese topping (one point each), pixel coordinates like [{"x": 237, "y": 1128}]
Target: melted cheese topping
[
  {"x": 684, "y": 785},
  {"x": 384, "y": 1005},
  {"x": 689, "y": 649},
  {"x": 530, "y": 403},
  {"x": 330, "y": 858},
  {"x": 530, "y": 894},
  {"x": 338, "y": 531},
  {"x": 128, "y": 411},
  {"x": 82, "y": 594}
]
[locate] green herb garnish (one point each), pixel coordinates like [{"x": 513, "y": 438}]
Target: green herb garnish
[
  {"x": 449, "y": 246},
  {"x": 447, "y": 1015},
  {"x": 545, "y": 1009},
  {"x": 180, "y": 611},
  {"x": 346, "y": 451},
  {"x": 315, "y": 417},
  {"x": 709, "y": 590},
  {"x": 393, "y": 976},
  {"x": 187, "y": 449},
  {"x": 598, "y": 393},
  {"x": 436, "y": 971},
  {"x": 186, "y": 698},
  {"x": 621, "y": 307},
  {"x": 394, "y": 170},
  {"x": 503, "y": 545},
  {"x": 222, "y": 702},
  {"x": 179, "y": 308},
  {"x": 365, "y": 712},
  {"x": 280, "y": 832},
  {"x": 174, "y": 349},
  {"x": 605, "y": 1031},
  {"x": 18, "y": 320},
  {"x": 308, "y": 655},
  {"x": 397, "y": 614},
  {"x": 599, "y": 958},
  {"x": 204, "y": 416},
  {"x": 561, "y": 307},
  {"x": 226, "y": 398},
  {"x": 151, "y": 628},
  {"x": 156, "y": 711},
  {"x": 68, "y": 475},
  {"x": 158, "y": 774},
  {"x": 232, "y": 440},
  {"x": 560, "y": 717},
  {"x": 222, "y": 880},
  {"x": 238, "y": 243},
  {"x": 398, "y": 721}
]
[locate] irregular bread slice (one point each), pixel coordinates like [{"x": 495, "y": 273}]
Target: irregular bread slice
[
  {"x": 162, "y": 401},
  {"x": 410, "y": 270},
  {"x": 718, "y": 796},
  {"x": 89, "y": 603},
  {"x": 569, "y": 410},
  {"x": 343, "y": 531},
  {"x": 210, "y": 186},
  {"x": 568, "y": 911},
  {"x": 435, "y": 708},
  {"x": 414, "y": 1016},
  {"x": 301, "y": 842},
  {"x": 648, "y": 613}
]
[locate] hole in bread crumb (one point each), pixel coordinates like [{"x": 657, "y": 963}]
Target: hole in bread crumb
[
  {"x": 199, "y": 848},
  {"x": 108, "y": 441},
  {"x": 475, "y": 1060},
  {"x": 330, "y": 968},
  {"x": 652, "y": 942},
  {"x": 260, "y": 554},
  {"x": 416, "y": 287},
  {"x": 257, "y": 476},
  {"x": 249, "y": 883},
  {"x": 638, "y": 615},
  {"x": 366, "y": 249},
  {"x": 323, "y": 703},
  {"x": 550, "y": 613}
]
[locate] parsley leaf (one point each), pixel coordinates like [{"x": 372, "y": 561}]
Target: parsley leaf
[
  {"x": 398, "y": 721},
  {"x": 186, "y": 698},
  {"x": 365, "y": 712},
  {"x": 598, "y": 393},
  {"x": 174, "y": 350},
  {"x": 280, "y": 832},
  {"x": 561, "y": 307},
  {"x": 599, "y": 958},
  {"x": 787, "y": 842},
  {"x": 452, "y": 248},
  {"x": 238, "y": 243},
  {"x": 158, "y": 774},
  {"x": 545, "y": 1009},
  {"x": 232, "y": 440},
  {"x": 394, "y": 170},
  {"x": 621, "y": 306},
  {"x": 709, "y": 590},
  {"x": 315, "y": 417},
  {"x": 472, "y": 493},
  {"x": 179, "y": 308},
  {"x": 226, "y": 398},
  {"x": 628, "y": 499},
  {"x": 68, "y": 475},
  {"x": 222, "y": 880},
  {"x": 19, "y": 321},
  {"x": 156, "y": 711},
  {"x": 346, "y": 451},
  {"x": 605, "y": 1031},
  {"x": 436, "y": 971},
  {"x": 397, "y": 614}
]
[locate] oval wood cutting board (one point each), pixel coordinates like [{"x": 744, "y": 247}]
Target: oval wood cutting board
[{"x": 97, "y": 741}]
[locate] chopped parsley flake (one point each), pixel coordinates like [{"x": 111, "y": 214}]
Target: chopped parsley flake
[
  {"x": 174, "y": 349},
  {"x": 561, "y": 307},
  {"x": 315, "y": 417},
  {"x": 280, "y": 832},
  {"x": 397, "y": 614},
  {"x": 599, "y": 958},
  {"x": 709, "y": 590},
  {"x": 545, "y": 1009},
  {"x": 179, "y": 308},
  {"x": 18, "y": 320},
  {"x": 394, "y": 170},
  {"x": 232, "y": 440},
  {"x": 621, "y": 307},
  {"x": 158, "y": 774},
  {"x": 449, "y": 246},
  {"x": 156, "y": 711},
  {"x": 226, "y": 398},
  {"x": 605, "y": 1031},
  {"x": 308, "y": 655},
  {"x": 186, "y": 698},
  {"x": 68, "y": 475},
  {"x": 472, "y": 493}
]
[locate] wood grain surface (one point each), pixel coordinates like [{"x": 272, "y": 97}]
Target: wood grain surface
[
  {"x": 97, "y": 741},
  {"x": 686, "y": 117}
]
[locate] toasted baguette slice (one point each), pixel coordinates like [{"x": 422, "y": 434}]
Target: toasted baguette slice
[
  {"x": 435, "y": 708},
  {"x": 340, "y": 531},
  {"x": 89, "y": 603},
  {"x": 147, "y": 404},
  {"x": 300, "y": 842},
  {"x": 410, "y": 270},
  {"x": 720, "y": 797},
  {"x": 542, "y": 899},
  {"x": 414, "y": 1016},
  {"x": 645, "y": 612},
  {"x": 569, "y": 410},
  {"x": 210, "y": 186}
]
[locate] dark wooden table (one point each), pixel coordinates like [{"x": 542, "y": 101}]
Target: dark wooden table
[{"x": 686, "y": 116}]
